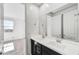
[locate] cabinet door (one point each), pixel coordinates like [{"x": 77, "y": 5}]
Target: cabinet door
[
  {"x": 48, "y": 51},
  {"x": 70, "y": 24},
  {"x": 56, "y": 26}
]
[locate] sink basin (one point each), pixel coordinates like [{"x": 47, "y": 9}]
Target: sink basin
[
  {"x": 48, "y": 40},
  {"x": 55, "y": 44}
]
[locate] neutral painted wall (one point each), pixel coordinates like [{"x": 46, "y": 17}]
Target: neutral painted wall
[{"x": 32, "y": 23}]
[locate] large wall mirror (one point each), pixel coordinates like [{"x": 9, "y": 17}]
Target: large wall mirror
[
  {"x": 56, "y": 26},
  {"x": 70, "y": 21},
  {"x": 8, "y": 24},
  {"x": 64, "y": 23}
]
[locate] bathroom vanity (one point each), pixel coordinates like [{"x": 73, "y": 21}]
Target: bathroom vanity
[
  {"x": 39, "y": 49},
  {"x": 51, "y": 46}
]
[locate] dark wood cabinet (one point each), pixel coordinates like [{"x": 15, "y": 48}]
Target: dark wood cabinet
[
  {"x": 39, "y": 49},
  {"x": 36, "y": 48},
  {"x": 0, "y": 53},
  {"x": 47, "y": 51}
]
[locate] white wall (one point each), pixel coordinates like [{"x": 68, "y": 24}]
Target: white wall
[
  {"x": 17, "y": 13},
  {"x": 32, "y": 23}
]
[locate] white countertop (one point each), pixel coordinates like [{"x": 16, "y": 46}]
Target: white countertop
[{"x": 66, "y": 47}]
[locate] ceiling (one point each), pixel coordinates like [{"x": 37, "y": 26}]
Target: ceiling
[{"x": 38, "y": 4}]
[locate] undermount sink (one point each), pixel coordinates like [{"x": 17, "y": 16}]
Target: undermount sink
[
  {"x": 56, "y": 44},
  {"x": 53, "y": 43},
  {"x": 48, "y": 40}
]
